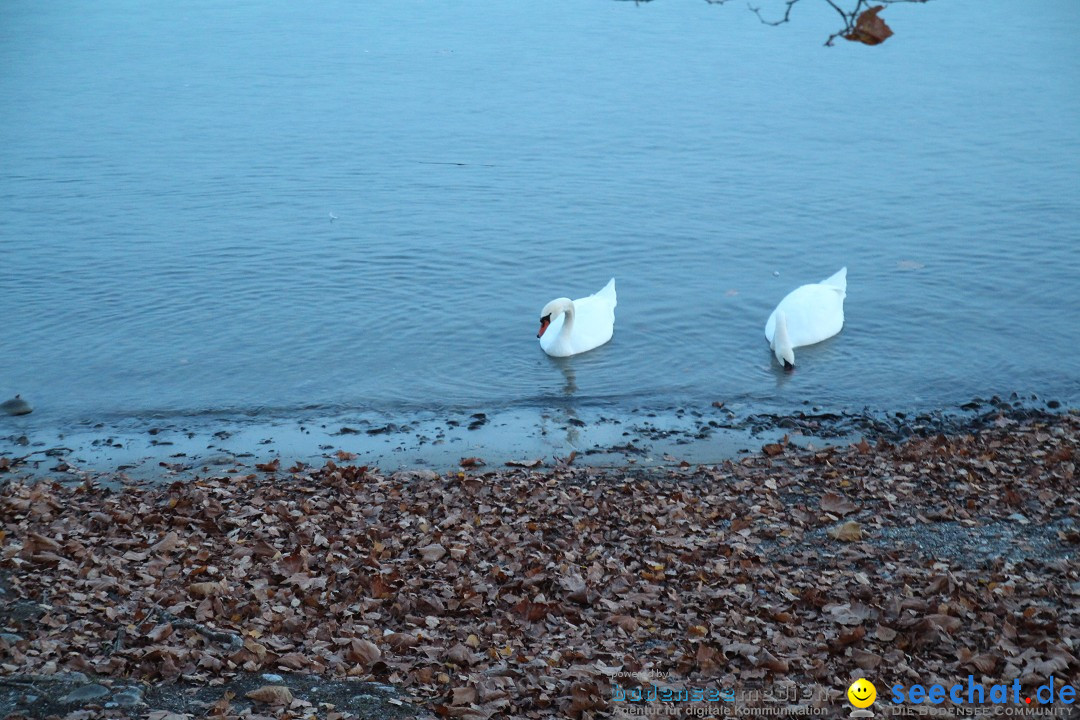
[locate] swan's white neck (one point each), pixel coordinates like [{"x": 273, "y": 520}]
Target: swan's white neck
[
  {"x": 568, "y": 320},
  {"x": 785, "y": 354}
]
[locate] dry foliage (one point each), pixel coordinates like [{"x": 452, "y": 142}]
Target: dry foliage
[{"x": 520, "y": 593}]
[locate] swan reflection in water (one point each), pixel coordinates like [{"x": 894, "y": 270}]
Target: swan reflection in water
[
  {"x": 573, "y": 435},
  {"x": 570, "y": 376},
  {"x": 564, "y": 417}
]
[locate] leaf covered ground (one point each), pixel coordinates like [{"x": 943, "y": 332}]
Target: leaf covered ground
[{"x": 527, "y": 592}]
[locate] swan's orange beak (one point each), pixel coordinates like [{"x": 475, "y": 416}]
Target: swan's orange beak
[{"x": 544, "y": 322}]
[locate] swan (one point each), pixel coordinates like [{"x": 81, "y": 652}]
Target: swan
[
  {"x": 569, "y": 327},
  {"x": 807, "y": 315}
]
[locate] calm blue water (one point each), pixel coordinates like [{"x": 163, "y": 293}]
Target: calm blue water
[{"x": 169, "y": 173}]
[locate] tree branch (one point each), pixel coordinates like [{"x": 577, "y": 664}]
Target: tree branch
[
  {"x": 774, "y": 23},
  {"x": 850, "y": 17}
]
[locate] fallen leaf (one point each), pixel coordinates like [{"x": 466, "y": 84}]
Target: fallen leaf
[
  {"x": 271, "y": 695},
  {"x": 837, "y": 504},
  {"x": 204, "y": 589},
  {"x": 432, "y": 553},
  {"x": 364, "y": 651},
  {"x": 463, "y": 696},
  {"x": 525, "y": 463},
  {"x": 167, "y": 544},
  {"x": 846, "y": 532}
]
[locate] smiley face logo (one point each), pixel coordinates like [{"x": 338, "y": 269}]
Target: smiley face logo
[{"x": 862, "y": 693}]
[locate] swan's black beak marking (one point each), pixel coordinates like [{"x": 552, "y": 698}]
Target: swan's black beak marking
[
  {"x": 544, "y": 322},
  {"x": 788, "y": 366}
]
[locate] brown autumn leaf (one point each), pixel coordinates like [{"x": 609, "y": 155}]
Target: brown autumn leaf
[
  {"x": 869, "y": 28},
  {"x": 837, "y": 504},
  {"x": 159, "y": 632},
  {"x": 849, "y": 531},
  {"x": 432, "y": 553},
  {"x": 167, "y": 544},
  {"x": 463, "y": 696},
  {"x": 983, "y": 662},
  {"x": 740, "y": 523},
  {"x": 270, "y": 466},
  {"x": 849, "y": 613},
  {"x": 773, "y": 663},
  {"x": 364, "y": 651},
  {"x": 948, "y": 623},
  {"x": 461, "y": 655},
  {"x": 865, "y": 660},
  {"x": 344, "y": 456},
  {"x": 772, "y": 449},
  {"x": 849, "y": 638},
  {"x": 271, "y": 695},
  {"x": 471, "y": 462},
  {"x": 253, "y": 650},
  {"x": 532, "y": 611},
  {"x": 205, "y": 589},
  {"x": 41, "y": 542},
  {"x": 884, "y": 633},
  {"x": 563, "y": 463},
  {"x": 525, "y": 463},
  {"x": 401, "y": 641},
  {"x": 293, "y": 661}
]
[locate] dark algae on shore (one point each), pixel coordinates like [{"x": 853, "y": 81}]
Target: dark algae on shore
[{"x": 528, "y": 593}]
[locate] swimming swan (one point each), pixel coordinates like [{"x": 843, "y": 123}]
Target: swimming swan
[
  {"x": 569, "y": 327},
  {"x": 807, "y": 315}
]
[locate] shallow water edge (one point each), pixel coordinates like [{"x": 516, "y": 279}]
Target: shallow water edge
[{"x": 169, "y": 449}]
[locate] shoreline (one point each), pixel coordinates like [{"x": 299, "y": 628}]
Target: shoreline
[
  {"x": 145, "y": 449},
  {"x": 516, "y": 592}
]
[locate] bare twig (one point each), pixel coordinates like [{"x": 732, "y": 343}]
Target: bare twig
[
  {"x": 231, "y": 639},
  {"x": 774, "y": 23},
  {"x": 850, "y": 17}
]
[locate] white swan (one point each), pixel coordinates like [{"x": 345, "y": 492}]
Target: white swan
[
  {"x": 807, "y": 315},
  {"x": 569, "y": 327}
]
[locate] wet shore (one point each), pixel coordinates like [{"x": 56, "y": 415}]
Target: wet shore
[{"x": 169, "y": 448}]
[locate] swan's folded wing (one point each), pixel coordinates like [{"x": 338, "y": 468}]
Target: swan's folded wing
[
  {"x": 837, "y": 280},
  {"x": 608, "y": 293}
]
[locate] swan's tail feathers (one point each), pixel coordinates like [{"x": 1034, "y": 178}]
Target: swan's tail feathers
[
  {"x": 839, "y": 280},
  {"x": 609, "y": 291}
]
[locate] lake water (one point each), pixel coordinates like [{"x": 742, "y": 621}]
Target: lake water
[{"x": 261, "y": 207}]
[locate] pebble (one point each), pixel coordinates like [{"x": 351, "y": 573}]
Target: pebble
[
  {"x": 129, "y": 697},
  {"x": 16, "y": 406},
  {"x": 272, "y": 677},
  {"x": 86, "y": 693},
  {"x": 361, "y": 699}
]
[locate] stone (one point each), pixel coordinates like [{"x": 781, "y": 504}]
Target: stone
[
  {"x": 128, "y": 697},
  {"x": 85, "y": 694},
  {"x": 16, "y": 406}
]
